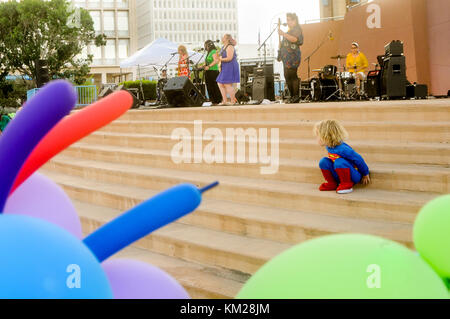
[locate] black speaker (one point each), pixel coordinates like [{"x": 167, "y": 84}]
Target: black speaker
[
  {"x": 135, "y": 94},
  {"x": 418, "y": 91},
  {"x": 105, "y": 92},
  {"x": 373, "y": 84},
  {"x": 42, "y": 75},
  {"x": 259, "y": 88},
  {"x": 181, "y": 92},
  {"x": 266, "y": 71},
  {"x": 394, "y": 77}
]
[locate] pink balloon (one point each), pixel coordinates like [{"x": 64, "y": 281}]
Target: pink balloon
[
  {"x": 40, "y": 197},
  {"x": 132, "y": 279}
]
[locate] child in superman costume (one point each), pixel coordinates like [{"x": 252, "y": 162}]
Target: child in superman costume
[{"x": 343, "y": 167}]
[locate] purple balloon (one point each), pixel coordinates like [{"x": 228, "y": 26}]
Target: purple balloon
[
  {"x": 40, "y": 197},
  {"x": 37, "y": 117},
  {"x": 132, "y": 279}
]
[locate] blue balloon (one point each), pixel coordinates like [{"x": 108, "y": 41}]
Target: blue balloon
[
  {"x": 145, "y": 218},
  {"x": 39, "y": 260}
]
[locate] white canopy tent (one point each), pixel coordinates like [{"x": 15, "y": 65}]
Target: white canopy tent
[{"x": 158, "y": 53}]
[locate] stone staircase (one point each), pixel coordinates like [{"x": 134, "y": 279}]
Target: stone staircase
[{"x": 252, "y": 217}]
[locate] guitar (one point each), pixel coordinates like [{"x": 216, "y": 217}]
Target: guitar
[{"x": 280, "y": 41}]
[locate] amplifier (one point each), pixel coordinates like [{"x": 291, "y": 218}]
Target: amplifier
[
  {"x": 263, "y": 87},
  {"x": 395, "y": 48},
  {"x": 373, "y": 84},
  {"x": 418, "y": 91},
  {"x": 305, "y": 90},
  {"x": 265, "y": 70}
]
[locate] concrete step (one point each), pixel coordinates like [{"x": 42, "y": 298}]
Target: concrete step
[
  {"x": 425, "y": 110},
  {"x": 281, "y": 225},
  {"x": 419, "y": 131},
  {"x": 373, "y": 152},
  {"x": 196, "y": 244},
  {"x": 364, "y": 203},
  {"x": 384, "y": 176}
]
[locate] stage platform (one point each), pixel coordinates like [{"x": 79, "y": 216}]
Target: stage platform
[{"x": 252, "y": 217}]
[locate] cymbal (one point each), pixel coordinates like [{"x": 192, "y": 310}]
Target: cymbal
[{"x": 338, "y": 57}]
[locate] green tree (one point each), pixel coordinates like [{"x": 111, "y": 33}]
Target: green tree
[{"x": 32, "y": 30}]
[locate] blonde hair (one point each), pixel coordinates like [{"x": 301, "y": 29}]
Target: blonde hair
[
  {"x": 230, "y": 39},
  {"x": 331, "y": 132},
  {"x": 183, "y": 49}
]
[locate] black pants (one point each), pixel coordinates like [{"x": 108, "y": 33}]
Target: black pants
[
  {"x": 292, "y": 81},
  {"x": 213, "y": 89}
]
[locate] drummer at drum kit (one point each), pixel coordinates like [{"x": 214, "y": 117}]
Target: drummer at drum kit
[{"x": 357, "y": 64}]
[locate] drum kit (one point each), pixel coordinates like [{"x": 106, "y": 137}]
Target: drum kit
[{"x": 334, "y": 83}]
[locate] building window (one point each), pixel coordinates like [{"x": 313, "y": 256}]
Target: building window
[
  {"x": 108, "y": 23},
  {"x": 124, "y": 47},
  {"x": 94, "y": 3},
  {"x": 97, "y": 54},
  {"x": 122, "y": 3},
  {"x": 122, "y": 23},
  {"x": 110, "y": 52},
  {"x": 108, "y": 3},
  {"x": 96, "y": 18}
]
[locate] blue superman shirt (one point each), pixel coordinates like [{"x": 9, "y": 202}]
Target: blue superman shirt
[{"x": 346, "y": 152}]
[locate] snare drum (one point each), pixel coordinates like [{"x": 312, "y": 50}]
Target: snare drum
[{"x": 345, "y": 76}]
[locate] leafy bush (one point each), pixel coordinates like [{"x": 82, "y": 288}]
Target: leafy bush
[
  {"x": 13, "y": 93},
  {"x": 149, "y": 88}
]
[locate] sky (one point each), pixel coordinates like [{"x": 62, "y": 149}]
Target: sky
[{"x": 256, "y": 15}]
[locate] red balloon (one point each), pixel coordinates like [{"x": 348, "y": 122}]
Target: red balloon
[{"x": 72, "y": 129}]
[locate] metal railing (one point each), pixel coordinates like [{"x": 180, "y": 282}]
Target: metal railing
[
  {"x": 87, "y": 94},
  {"x": 324, "y": 19},
  {"x": 352, "y": 6}
]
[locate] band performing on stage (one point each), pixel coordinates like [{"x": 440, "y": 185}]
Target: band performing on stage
[{"x": 216, "y": 75}]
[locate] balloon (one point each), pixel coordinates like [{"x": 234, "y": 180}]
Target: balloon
[
  {"x": 145, "y": 218},
  {"x": 42, "y": 261},
  {"x": 30, "y": 125},
  {"x": 41, "y": 198},
  {"x": 73, "y": 128},
  {"x": 132, "y": 279},
  {"x": 431, "y": 234},
  {"x": 345, "y": 266}
]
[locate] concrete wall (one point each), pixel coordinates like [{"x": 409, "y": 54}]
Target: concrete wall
[{"x": 439, "y": 44}]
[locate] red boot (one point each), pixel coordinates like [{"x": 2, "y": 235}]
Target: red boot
[
  {"x": 331, "y": 184},
  {"x": 345, "y": 177}
]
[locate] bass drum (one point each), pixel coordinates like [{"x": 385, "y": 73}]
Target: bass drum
[{"x": 323, "y": 89}]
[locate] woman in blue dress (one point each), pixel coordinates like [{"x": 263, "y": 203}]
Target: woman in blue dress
[{"x": 229, "y": 74}]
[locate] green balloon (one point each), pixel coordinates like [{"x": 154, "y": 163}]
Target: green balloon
[
  {"x": 347, "y": 266},
  {"x": 432, "y": 236}
]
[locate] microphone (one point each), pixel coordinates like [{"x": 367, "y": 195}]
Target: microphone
[
  {"x": 283, "y": 24},
  {"x": 174, "y": 53}
]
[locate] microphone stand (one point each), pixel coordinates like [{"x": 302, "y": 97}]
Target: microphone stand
[
  {"x": 196, "y": 70},
  {"x": 264, "y": 44},
  {"x": 311, "y": 55}
]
